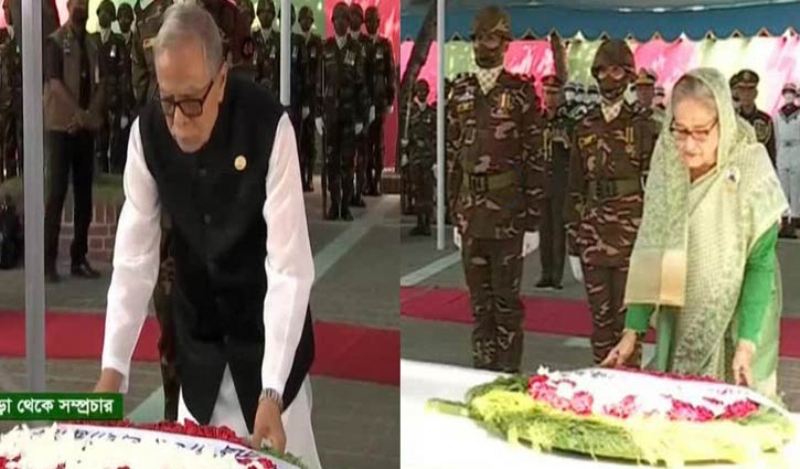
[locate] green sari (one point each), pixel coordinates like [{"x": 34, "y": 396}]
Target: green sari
[{"x": 691, "y": 254}]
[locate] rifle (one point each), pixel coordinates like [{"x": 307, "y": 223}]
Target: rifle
[
  {"x": 405, "y": 196},
  {"x": 324, "y": 153}
]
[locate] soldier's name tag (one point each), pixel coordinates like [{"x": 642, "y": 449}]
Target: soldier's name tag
[
  {"x": 312, "y": 53},
  {"x": 379, "y": 54},
  {"x": 349, "y": 59},
  {"x": 113, "y": 52}
]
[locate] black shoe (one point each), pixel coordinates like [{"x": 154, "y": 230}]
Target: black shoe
[
  {"x": 333, "y": 213},
  {"x": 84, "y": 270},
  {"x": 358, "y": 202},
  {"x": 544, "y": 283},
  {"x": 418, "y": 231},
  {"x": 51, "y": 276},
  {"x": 558, "y": 286},
  {"x": 346, "y": 215},
  {"x": 307, "y": 188}
]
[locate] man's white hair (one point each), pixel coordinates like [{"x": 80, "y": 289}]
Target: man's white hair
[{"x": 187, "y": 21}]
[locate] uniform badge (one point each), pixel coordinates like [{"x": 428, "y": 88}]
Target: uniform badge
[
  {"x": 312, "y": 53},
  {"x": 114, "y": 52},
  {"x": 504, "y": 104},
  {"x": 349, "y": 58},
  {"x": 379, "y": 54},
  {"x": 240, "y": 163},
  {"x": 763, "y": 131}
]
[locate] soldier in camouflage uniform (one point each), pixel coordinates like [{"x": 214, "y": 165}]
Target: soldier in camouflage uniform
[
  {"x": 145, "y": 87},
  {"x": 10, "y": 99},
  {"x": 552, "y": 139},
  {"x": 381, "y": 84},
  {"x": 421, "y": 148},
  {"x": 343, "y": 104},
  {"x": 268, "y": 48},
  {"x": 110, "y": 50},
  {"x": 127, "y": 101},
  {"x": 609, "y": 160},
  {"x": 313, "y": 47},
  {"x": 362, "y": 44},
  {"x": 148, "y": 22},
  {"x": 495, "y": 189},
  {"x": 747, "y": 91}
]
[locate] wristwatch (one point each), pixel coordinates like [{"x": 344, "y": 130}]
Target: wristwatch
[{"x": 273, "y": 396}]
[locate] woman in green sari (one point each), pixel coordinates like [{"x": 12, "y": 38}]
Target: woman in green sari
[{"x": 704, "y": 259}]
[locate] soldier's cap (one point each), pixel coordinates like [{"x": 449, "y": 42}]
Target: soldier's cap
[
  {"x": 593, "y": 89},
  {"x": 570, "y": 86},
  {"x": 107, "y": 5},
  {"x": 747, "y": 79},
  {"x": 789, "y": 87},
  {"x": 492, "y": 20},
  {"x": 646, "y": 78},
  {"x": 262, "y": 5},
  {"x": 614, "y": 52},
  {"x": 306, "y": 12},
  {"x": 124, "y": 7},
  {"x": 552, "y": 83},
  {"x": 660, "y": 91}
]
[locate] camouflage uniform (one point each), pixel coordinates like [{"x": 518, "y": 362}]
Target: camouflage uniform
[
  {"x": 110, "y": 52},
  {"x": 421, "y": 158},
  {"x": 362, "y": 45},
  {"x": 343, "y": 103},
  {"x": 268, "y": 51},
  {"x": 148, "y": 22},
  {"x": 10, "y": 107},
  {"x": 760, "y": 120},
  {"x": 495, "y": 190},
  {"x": 380, "y": 72},
  {"x": 551, "y": 140},
  {"x": 145, "y": 88},
  {"x": 308, "y": 151},
  {"x": 608, "y": 164}
]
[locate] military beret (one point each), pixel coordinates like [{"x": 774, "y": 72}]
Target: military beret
[
  {"x": 552, "y": 82},
  {"x": 748, "y": 79},
  {"x": 735, "y": 79},
  {"x": 646, "y": 78},
  {"x": 613, "y": 52},
  {"x": 492, "y": 19}
]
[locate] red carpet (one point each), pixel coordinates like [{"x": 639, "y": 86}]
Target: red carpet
[
  {"x": 544, "y": 315},
  {"x": 342, "y": 351}
]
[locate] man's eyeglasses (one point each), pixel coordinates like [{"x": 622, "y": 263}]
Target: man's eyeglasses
[
  {"x": 614, "y": 71},
  {"x": 190, "y": 107},
  {"x": 698, "y": 135}
]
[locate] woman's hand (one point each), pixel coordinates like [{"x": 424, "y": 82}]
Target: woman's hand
[
  {"x": 742, "y": 361},
  {"x": 620, "y": 354}
]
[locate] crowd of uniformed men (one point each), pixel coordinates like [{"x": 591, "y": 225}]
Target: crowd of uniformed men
[{"x": 571, "y": 166}]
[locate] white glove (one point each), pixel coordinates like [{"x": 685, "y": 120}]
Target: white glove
[
  {"x": 404, "y": 159},
  {"x": 359, "y": 128},
  {"x": 530, "y": 242},
  {"x": 575, "y": 266},
  {"x": 371, "y": 114},
  {"x": 320, "y": 125},
  {"x": 390, "y": 109},
  {"x": 404, "y": 142},
  {"x": 306, "y": 112},
  {"x": 457, "y": 238},
  {"x": 123, "y": 122}
]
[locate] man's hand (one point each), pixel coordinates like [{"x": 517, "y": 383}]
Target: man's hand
[
  {"x": 268, "y": 427},
  {"x": 110, "y": 381},
  {"x": 742, "y": 364},
  {"x": 620, "y": 354}
]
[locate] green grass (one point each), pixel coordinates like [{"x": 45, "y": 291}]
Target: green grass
[{"x": 107, "y": 188}]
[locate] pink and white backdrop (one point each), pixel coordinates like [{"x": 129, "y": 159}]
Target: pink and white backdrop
[{"x": 775, "y": 59}]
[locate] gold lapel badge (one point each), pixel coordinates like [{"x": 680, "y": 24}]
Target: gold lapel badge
[{"x": 240, "y": 163}]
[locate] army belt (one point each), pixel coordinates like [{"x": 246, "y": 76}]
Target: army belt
[
  {"x": 608, "y": 188},
  {"x": 481, "y": 183}
]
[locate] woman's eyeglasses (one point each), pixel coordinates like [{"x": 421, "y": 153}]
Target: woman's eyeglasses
[
  {"x": 190, "y": 107},
  {"x": 698, "y": 135}
]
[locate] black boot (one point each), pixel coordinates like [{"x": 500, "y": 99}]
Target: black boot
[{"x": 333, "y": 213}]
